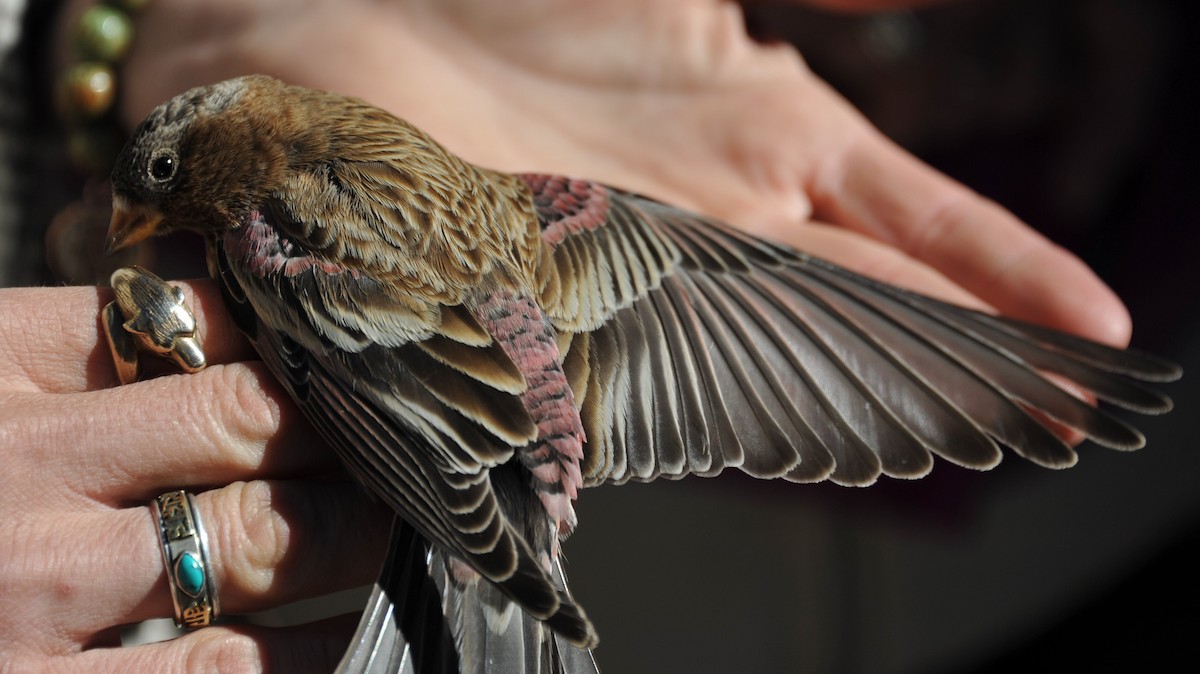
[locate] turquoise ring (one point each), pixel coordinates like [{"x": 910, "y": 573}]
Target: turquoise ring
[{"x": 185, "y": 555}]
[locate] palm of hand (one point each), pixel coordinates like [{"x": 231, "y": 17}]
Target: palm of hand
[{"x": 667, "y": 98}]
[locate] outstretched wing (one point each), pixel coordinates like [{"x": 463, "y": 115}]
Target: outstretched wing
[{"x": 692, "y": 347}]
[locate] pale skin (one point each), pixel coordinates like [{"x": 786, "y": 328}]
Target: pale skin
[{"x": 666, "y": 97}]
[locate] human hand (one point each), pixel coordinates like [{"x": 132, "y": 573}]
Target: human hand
[
  {"x": 667, "y": 98},
  {"x": 79, "y": 552}
]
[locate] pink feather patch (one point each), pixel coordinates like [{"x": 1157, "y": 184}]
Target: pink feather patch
[
  {"x": 267, "y": 251},
  {"x": 518, "y": 325},
  {"x": 566, "y": 206}
]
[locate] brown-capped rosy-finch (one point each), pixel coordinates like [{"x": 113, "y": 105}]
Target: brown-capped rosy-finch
[{"x": 478, "y": 347}]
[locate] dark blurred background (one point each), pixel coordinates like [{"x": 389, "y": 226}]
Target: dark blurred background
[{"x": 1079, "y": 116}]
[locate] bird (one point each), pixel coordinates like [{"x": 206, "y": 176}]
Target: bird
[{"x": 478, "y": 347}]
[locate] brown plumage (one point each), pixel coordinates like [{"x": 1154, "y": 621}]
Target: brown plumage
[{"x": 479, "y": 346}]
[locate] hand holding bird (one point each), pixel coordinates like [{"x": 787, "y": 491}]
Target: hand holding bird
[
  {"x": 752, "y": 136},
  {"x": 479, "y": 346}
]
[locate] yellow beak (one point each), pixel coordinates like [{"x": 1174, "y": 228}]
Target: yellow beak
[{"x": 130, "y": 224}]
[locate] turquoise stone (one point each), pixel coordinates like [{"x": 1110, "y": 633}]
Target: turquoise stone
[{"x": 189, "y": 574}]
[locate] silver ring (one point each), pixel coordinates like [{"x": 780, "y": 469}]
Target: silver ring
[{"x": 185, "y": 555}]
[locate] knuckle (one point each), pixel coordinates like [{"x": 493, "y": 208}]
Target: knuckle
[
  {"x": 239, "y": 405},
  {"x": 255, "y": 536},
  {"x": 942, "y": 220},
  {"x": 257, "y": 413}
]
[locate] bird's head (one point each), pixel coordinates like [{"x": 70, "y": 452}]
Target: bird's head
[{"x": 200, "y": 161}]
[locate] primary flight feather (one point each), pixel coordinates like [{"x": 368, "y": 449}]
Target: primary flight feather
[{"x": 478, "y": 346}]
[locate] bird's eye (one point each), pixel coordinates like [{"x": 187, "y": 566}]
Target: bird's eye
[{"x": 163, "y": 166}]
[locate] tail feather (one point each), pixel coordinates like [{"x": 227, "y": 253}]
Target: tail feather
[
  {"x": 403, "y": 629},
  {"x": 493, "y": 635},
  {"x": 422, "y": 618}
]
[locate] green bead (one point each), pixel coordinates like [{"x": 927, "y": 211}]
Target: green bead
[
  {"x": 103, "y": 33},
  {"x": 189, "y": 574}
]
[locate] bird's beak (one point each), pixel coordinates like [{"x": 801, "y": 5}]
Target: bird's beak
[{"x": 130, "y": 224}]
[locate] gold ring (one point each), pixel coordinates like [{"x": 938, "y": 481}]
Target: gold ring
[{"x": 151, "y": 315}]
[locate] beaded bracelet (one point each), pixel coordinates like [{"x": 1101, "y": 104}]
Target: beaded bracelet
[
  {"x": 87, "y": 91},
  {"x": 86, "y": 96}
]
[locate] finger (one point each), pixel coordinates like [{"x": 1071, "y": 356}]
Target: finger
[
  {"x": 315, "y": 647},
  {"x": 123, "y": 445},
  {"x": 269, "y": 543},
  {"x": 277, "y": 542},
  {"x": 879, "y": 189},
  {"x": 51, "y": 340}
]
